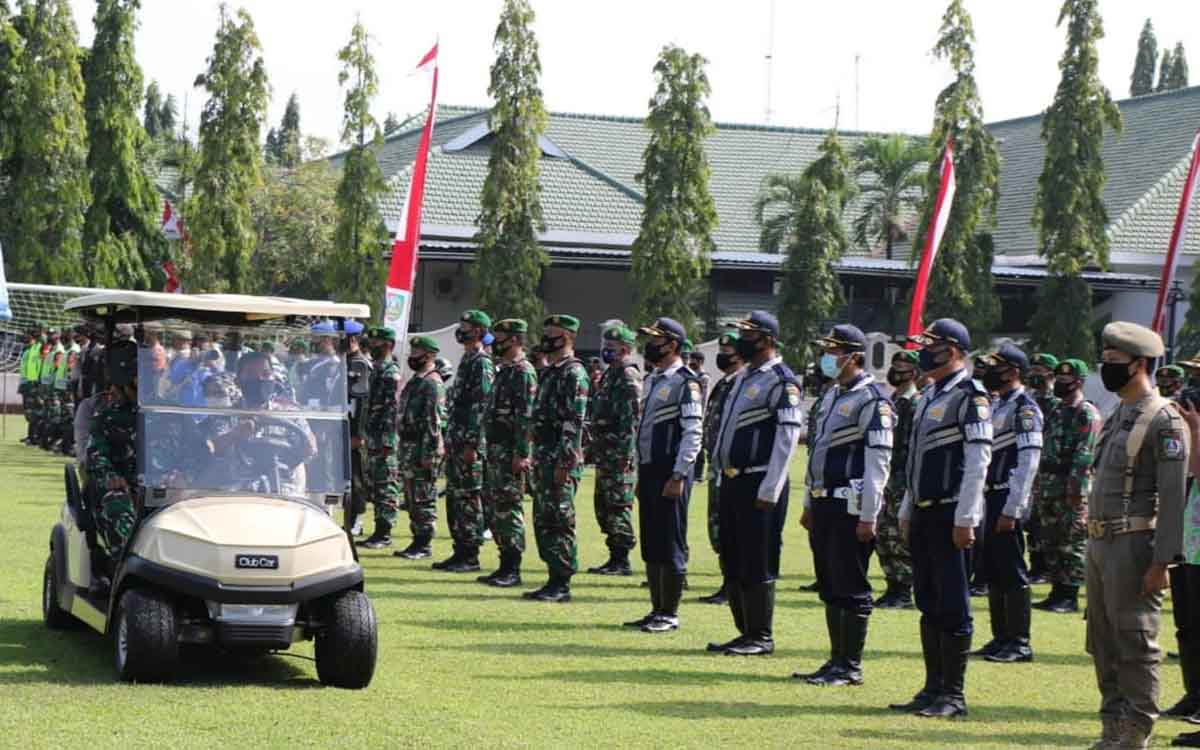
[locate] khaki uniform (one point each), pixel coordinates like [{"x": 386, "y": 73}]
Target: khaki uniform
[{"x": 1128, "y": 532}]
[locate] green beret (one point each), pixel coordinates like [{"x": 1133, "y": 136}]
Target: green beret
[
  {"x": 729, "y": 338},
  {"x": 907, "y": 355},
  {"x": 511, "y": 325},
  {"x": 424, "y": 342},
  {"x": 477, "y": 317},
  {"x": 1133, "y": 339},
  {"x": 1170, "y": 371},
  {"x": 383, "y": 332},
  {"x": 299, "y": 344},
  {"x": 1076, "y": 367},
  {"x": 688, "y": 347},
  {"x": 621, "y": 334},
  {"x": 1049, "y": 361},
  {"x": 565, "y": 322}
]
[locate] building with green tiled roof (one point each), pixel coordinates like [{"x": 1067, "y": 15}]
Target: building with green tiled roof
[{"x": 593, "y": 206}]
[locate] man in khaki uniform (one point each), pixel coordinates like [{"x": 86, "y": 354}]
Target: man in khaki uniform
[{"x": 1135, "y": 529}]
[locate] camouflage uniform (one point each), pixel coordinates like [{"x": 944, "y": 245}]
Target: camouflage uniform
[
  {"x": 616, "y": 407},
  {"x": 111, "y": 454},
  {"x": 894, "y": 556},
  {"x": 422, "y": 416},
  {"x": 558, "y": 429},
  {"x": 509, "y": 420},
  {"x": 1072, "y": 435},
  {"x": 49, "y": 405},
  {"x": 383, "y": 445},
  {"x": 464, "y": 481}
]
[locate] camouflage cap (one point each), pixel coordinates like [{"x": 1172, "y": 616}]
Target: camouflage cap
[
  {"x": 476, "y": 317},
  {"x": 1075, "y": 367},
  {"x": 423, "y": 342},
  {"x": 1133, "y": 339},
  {"x": 620, "y": 333},
  {"x": 565, "y": 322},
  {"x": 1169, "y": 371},
  {"x": 1042, "y": 359},
  {"x": 511, "y": 326}
]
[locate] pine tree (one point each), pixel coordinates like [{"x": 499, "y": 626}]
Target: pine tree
[
  {"x": 230, "y": 160},
  {"x": 672, "y": 250},
  {"x": 510, "y": 260},
  {"x": 287, "y": 145},
  {"x": 805, "y": 213},
  {"x": 1164, "y": 71},
  {"x": 168, "y": 116},
  {"x": 1179, "y": 68},
  {"x": 49, "y": 183},
  {"x": 961, "y": 284},
  {"x": 361, "y": 236},
  {"x": 391, "y": 123},
  {"x": 1069, "y": 211},
  {"x": 1142, "y": 80},
  {"x": 271, "y": 147},
  {"x": 152, "y": 110},
  {"x": 121, "y": 237}
]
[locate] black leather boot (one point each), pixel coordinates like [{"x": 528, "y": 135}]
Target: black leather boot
[
  {"x": 654, "y": 574},
  {"x": 382, "y": 537},
  {"x": 510, "y": 570},
  {"x": 1017, "y": 611},
  {"x": 468, "y": 562},
  {"x": 1051, "y": 598},
  {"x": 759, "y": 604},
  {"x": 1068, "y": 601},
  {"x": 449, "y": 561},
  {"x": 733, "y": 590},
  {"x": 670, "y": 591},
  {"x": 559, "y": 590},
  {"x": 1189, "y": 663},
  {"x": 833, "y": 625},
  {"x": 418, "y": 550},
  {"x": 952, "y": 703},
  {"x": 847, "y": 670},
  {"x": 618, "y": 564},
  {"x": 999, "y": 625},
  {"x": 931, "y": 652}
]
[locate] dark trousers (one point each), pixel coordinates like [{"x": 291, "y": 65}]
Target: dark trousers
[
  {"x": 662, "y": 521},
  {"x": 1185, "y": 601},
  {"x": 751, "y": 539},
  {"x": 840, "y": 559},
  {"x": 940, "y": 571},
  {"x": 1003, "y": 554}
]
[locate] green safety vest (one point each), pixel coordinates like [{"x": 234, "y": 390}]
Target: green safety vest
[
  {"x": 31, "y": 362},
  {"x": 62, "y": 376},
  {"x": 47, "y": 369}
]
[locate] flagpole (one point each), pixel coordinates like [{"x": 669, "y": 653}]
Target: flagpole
[
  {"x": 1178, "y": 235},
  {"x": 933, "y": 238}
]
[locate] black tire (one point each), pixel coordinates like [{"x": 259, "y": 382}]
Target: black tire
[
  {"x": 55, "y": 617},
  {"x": 347, "y": 645},
  {"x": 145, "y": 637}
]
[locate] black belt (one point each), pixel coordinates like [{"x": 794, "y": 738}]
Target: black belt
[{"x": 931, "y": 502}]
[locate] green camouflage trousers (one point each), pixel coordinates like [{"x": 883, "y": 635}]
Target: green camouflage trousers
[
  {"x": 554, "y": 520},
  {"x": 503, "y": 493},
  {"x": 464, "y": 502},
  {"x": 115, "y": 520},
  {"x": 894, "y": 557},
  {"x": 385, "y": 487},
  {"x": 48, "y": 411},
  {"x": 64, "y": 419},
  {"x": 420, "y": 492},
  {"x": 1064, "y": 539},
  {"x": 613, "y": 499}
]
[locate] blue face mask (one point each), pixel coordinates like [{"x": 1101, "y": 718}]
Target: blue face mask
[
  {"x": 829, "y": 365},
  {"x": 930, "y": 360},
  {"x": 608, "y": 356}
]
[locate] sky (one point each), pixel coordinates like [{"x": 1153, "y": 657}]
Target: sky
[{"x": 597, "y": 57}]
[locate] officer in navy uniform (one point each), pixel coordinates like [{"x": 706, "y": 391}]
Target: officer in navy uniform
[
  {"x": 668, "y": 443},
  {"x": 951, "y": 447},
  {"x": 1016, "y": 452},
  {"x": 760, "y": 426},
  {"x": 848, "y": 467}
]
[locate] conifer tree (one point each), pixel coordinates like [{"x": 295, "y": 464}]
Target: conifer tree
[
  {"x": 1142, "y": 80},
  {"x": 1164, "y": 71},
  {"x": 152, "y": 110},
  {"x": 1179, "y": 68}
]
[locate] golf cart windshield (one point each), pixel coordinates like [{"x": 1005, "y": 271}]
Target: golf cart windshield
[{"x": 259, "y": 410}]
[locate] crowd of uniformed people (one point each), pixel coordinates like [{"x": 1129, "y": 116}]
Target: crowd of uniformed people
[{"x": 956, "y": 471}]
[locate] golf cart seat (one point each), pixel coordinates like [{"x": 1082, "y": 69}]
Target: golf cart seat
[{"x": 77, "y": 501}]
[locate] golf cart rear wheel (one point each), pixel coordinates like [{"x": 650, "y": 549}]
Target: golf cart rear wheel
[
  {"x": 145, "y": 637},
  {"x": 55, "y": 617},
  {"x": 347, "y": 646}
]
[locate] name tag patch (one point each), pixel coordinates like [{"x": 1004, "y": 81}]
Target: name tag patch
[{"x": 793, "y": 394}]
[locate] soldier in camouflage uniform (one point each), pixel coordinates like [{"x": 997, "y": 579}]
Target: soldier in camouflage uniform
[
  {"x": 1041, "y": 387},
  {"x": 558, "y": 456},
  {"x": 894, "y": 556},
  {"x": 615, "y": 414},
  {"x": 1169, "y": 381},
  {"x": 422, "y": 444},
  {"x": 112, "y": 457},
  {"x": 467, "y": 445},
  {"x": 383, "y": 442},
  {"x": 730, "y": 363},
  {"x": 509, "y": 426},
  {"x": 1064, "y": 480},
  {"x": 46, "y": 415}
]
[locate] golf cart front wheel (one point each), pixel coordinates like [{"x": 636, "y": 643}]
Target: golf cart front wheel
[
  {"x": 145, "y": 637},
  {"x": 55, "y": 617},
  {"x": 348, "y": 644}
]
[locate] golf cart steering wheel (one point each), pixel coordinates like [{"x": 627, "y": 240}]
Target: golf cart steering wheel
[{"x": 264, "y": 452}]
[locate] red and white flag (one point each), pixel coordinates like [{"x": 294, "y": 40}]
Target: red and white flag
[
  {"x": 173, "y": 285},
  {"x": 172, "y": 225},
  {"x": 933, "y": 239},
  {"x": 403, "y": 271},
  {"x": 1177, "y": 237}
]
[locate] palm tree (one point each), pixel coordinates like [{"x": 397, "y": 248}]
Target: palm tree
[
  {"x": 892, "y": 185},
  {"x": 775, "y": 210}
]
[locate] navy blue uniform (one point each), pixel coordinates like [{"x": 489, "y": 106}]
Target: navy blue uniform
[{"x": 1016, "y": 451}]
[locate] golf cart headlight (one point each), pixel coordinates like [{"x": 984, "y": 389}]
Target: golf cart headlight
[{"x": 277, "y": 613}]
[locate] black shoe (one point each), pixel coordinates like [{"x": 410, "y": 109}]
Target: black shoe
[
  {"x": 445, "y": 564},
  {"x": 490, "y": 576},
  {"x": 506, "y": 580},
  {"x": 1051, "y": 598},
  {"x": 661, "y": 624},
  {"x": 536, "y": 592},
  {"x": 759, "y": 605},
  {"x": 719, "y": 648},
  {"x": 839, "y": 676},
  {"x": 1065, "y": 606},
  {"x": 944, "y": 708},
  {"x": 751, "y": 647},
  {"x": 951, "y": 702},
  {"x": 718, "y": 597},
  {"x": 831, "y": 664},
  {"x": 558, "y": 590},
  {"x": 1187, "y": 739},
  {"x": 601, "y": 569},
  {"x": 1185, "y": 708},
  {"x": 979, "y": 590},
  {"x": 376, "y": 542},
  {"x": 811, "y": 588},
  {"x": 413, "y": 552},
  {"x": 641, "y": 622},
  {"x": 920, "y": 702},
  {"x": 897, "y": 596},
  {"x": 1012, "y": 653},
  {"x": 465, "y": 564}
]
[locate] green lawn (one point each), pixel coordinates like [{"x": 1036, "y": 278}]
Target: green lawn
[{"x": 464, "y": 665}]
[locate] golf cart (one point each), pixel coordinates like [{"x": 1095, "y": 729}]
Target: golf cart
[{"x": 234, "y": 545}]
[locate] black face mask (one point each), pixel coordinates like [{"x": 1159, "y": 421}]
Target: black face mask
[
  {"x": 462, "y": 336},
  {"x": 724, "y": 361},
  {"x": 897, "y": 379},
  {"x": 553, "y": 343},
  {"x": 1115, "y": 375},
  {"x": 378, "y": 352},
  {"x": 1037, "y": 382},
  {"x": 257, "y": 392},
  {"x": 746, "y": 349},
  {"x": 1064, "y": 390},
  {"x": 417, "y": 363},
  {"x": 654, "y": 353},
  {"x": 994, "y": 380},
  {"x": 499, "y": 348}
]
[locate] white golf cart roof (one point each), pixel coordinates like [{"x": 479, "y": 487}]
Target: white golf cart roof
[{"x": 224, "y": 309}]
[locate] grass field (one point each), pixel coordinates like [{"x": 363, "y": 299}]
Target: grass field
[{"x": 463, "y": 665}]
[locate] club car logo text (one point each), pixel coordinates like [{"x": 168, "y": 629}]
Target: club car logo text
[{"x": 257, "y": 562}]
